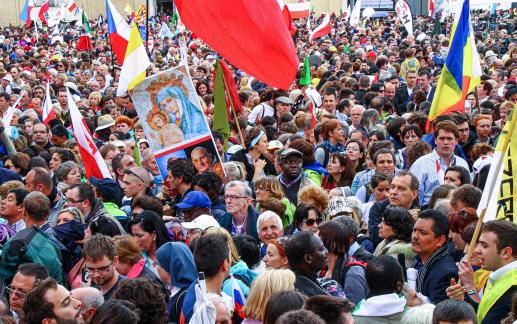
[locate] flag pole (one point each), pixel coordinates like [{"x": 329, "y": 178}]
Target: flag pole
[
  {"x": 234, "y": 113},
  {"x": 492, "y": 185}
]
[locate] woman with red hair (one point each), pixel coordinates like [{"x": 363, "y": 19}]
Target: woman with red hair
[{"x": 458, "y": 221}]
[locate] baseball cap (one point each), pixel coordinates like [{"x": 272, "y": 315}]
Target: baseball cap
[
  {"x": 284, "y": 100},
  {"x": 274, "y": 144},
  {"x": 290, "y": 151},
  {"x": 195, "y": 199},
  {"x": 108, "y": 188},
  {"x": 201, "y": 222}
]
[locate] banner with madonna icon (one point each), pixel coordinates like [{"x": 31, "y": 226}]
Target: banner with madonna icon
[{"x": 174, "y": 122}]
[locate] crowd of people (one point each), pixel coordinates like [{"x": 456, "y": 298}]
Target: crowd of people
[{"x": 328, "y": 202}]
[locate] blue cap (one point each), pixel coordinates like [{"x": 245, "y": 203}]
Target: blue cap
[
  {"x": 108, "y": 188},
  {"x": 195, "y": 199}
]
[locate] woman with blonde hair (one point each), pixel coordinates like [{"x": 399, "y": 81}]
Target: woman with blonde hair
[
  {"x": 267, "y": 188},
  {"x": 95, "y": 101},
  {"x": 242, "y": 274},
  {"x": 268, "y": 283}
]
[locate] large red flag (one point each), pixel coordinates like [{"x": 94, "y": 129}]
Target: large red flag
[
  {"x": 252, "y": 35},
  {"x": 94, "y": 164},
  {"x": 43, "y": 11}
]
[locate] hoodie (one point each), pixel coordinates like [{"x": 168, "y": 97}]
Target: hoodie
[
  {"x": 244, "y": 277},
  {"x": 387, "y": 308}
]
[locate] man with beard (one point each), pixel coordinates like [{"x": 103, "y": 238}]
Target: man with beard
[
  {"x": 50, "y": 302},
  {"x": 100, "y": 258}
]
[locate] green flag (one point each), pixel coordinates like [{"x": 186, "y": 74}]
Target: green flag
[
  {"x": 221, "y": 123},
  {"x": 305, "y": 79},
  {"x": 136, "y": 154},
  {"x": 86, "y": 24},
  {"x": 175, "y": 17}
]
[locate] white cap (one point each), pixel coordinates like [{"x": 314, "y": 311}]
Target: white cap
[{"x": 201, "y": 222}]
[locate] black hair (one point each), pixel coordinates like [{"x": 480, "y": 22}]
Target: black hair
[
  {"x": 248, "y": 248},
  {"x": 440, "y": 222},
  {"x": 330, "y": 308},
  {"x": 116, "y": 311},
  {"x": 464, "y": 173},
  {"x": 453, "y": 311},
  {"x": 35, "y": 270},
  {"x": 150, "y": 222},
  {"x": 64, "y": 154},
  {"x": 20, "y": 195},
  {"x": 210, "y": 252},
  {"x": 297, "y": 246},
  {"x": 182, "y": 168},
  {"x": 282, "y": 302},
  {"x": 382, "y": 275},
  {"x": 209, "y": 182},
  {"x": 85, "y": 191},
  {"x": 106, "y": 226},
  {"x": 380, "y": 135},
  {"x": 401, "y": 221},
  {"x": 60, "y": 131},
  {"x": 302, "y": 212}
]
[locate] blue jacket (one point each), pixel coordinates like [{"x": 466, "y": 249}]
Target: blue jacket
[
  {"x": 226, "y": 221},
  {"x": 438, "y": 278}
]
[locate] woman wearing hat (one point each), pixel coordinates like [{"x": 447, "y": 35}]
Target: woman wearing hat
[{"x": 257, "y": 165}]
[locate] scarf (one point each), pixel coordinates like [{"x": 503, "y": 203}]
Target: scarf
[
  {"x": 338, "y": 148},
  {"x": 70, "y": 232},
  {"x": 440, "y": 253}
]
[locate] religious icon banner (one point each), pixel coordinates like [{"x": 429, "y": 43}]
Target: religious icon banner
[{"x": 174, "y": 122}]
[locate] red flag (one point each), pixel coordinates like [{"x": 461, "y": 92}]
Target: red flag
[
  {"x": 48, "y": 112},
  {"x": 43, "y": 11},
  {"x": 313, "y": 117},
  {"x": 231, "y": 88},
  {"x": 252, "y": 35},
  {"x": 287, "y": 17},
  {"x": 322, "y": 30},
  {"x": 94, "y": 164},
  {"x": 85, "y": 43}
]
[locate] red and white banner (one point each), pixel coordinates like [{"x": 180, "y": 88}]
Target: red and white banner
[
  {"x": 405, "y": 15},
  {"x": 48, "y": 113},
  {"x": 430, "y": 7},
  {"x": 43, "y": 12},
  {"x": 287, "y": 16},
  {"x": 322, "y": 30},
  {"x": 94, "y": 164},
  {"x": 299, "y": 10}
]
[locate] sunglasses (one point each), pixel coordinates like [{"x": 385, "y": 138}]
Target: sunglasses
[{"x": 311, "y": 221}]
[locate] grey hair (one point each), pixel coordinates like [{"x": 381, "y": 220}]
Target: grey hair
[
  {"x": 267, "y": 215},
  {"x": 76, "y": 212},
  {"x": 422, "y": 314},
  {"x": 244, "y": 188},
  {"x": 65, "y": 168},
  {"x": 235, "y": 171},
  {"x": 90, "y": 297},
  {"x": 443, "y": 205}
]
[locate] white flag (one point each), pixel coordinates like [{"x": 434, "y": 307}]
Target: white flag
[
  {"x": 355, "y": 17},
  {"x": 48, "y": 112},
  {"x": 6, "y": 120},
  {"x": 405, "y": 15}
]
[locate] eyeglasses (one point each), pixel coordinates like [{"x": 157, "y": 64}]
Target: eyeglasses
[
  {"x": 100, "y": 269},
  {"x": 75, "y": 201},
  {"x": 19, "y": 292},
  {"x": 233, "y": 197},
  {"x": 128, "y": 171},
  {"x": 311, "y": 221}
]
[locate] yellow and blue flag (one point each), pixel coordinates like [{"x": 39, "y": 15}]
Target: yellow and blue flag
[{"x": 462, "y": 70}]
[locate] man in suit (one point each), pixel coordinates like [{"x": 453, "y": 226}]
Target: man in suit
[{"x": 404, "y": 92}]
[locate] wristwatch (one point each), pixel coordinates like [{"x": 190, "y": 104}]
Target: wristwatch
[{"x": 471, "y": 292}]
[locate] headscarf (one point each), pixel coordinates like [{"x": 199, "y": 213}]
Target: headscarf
[{"x": 177, "y": 260}]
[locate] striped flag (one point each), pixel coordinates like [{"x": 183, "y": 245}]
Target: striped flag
[
  {"x": 462, "y": 70},
  {"x": 135, "y": 64},
  {"x": 141, "y": 14},
  {"x": 85, "y": 42},
  {"x": 25, "y": 14},
  {"x": 48, "y": 112},
  {"x": 238, "y": 298},
  {"x": 322, "y": 30},
  {"x": 94, "y": 164},
  {"x": 43, "y": 12}
]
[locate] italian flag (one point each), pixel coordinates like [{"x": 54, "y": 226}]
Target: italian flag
[{"x": 85, "y": 42}]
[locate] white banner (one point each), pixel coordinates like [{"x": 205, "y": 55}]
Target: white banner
[{"x": 404, "y": 13}]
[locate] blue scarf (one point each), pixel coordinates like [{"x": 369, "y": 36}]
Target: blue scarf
[{"x": 338, "y": 148}]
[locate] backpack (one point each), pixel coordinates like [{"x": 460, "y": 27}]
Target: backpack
[
  {"x": 345, "y": 265},
  {"x": 327, "y": 155},
  {"x": 20, "y": 244}
]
